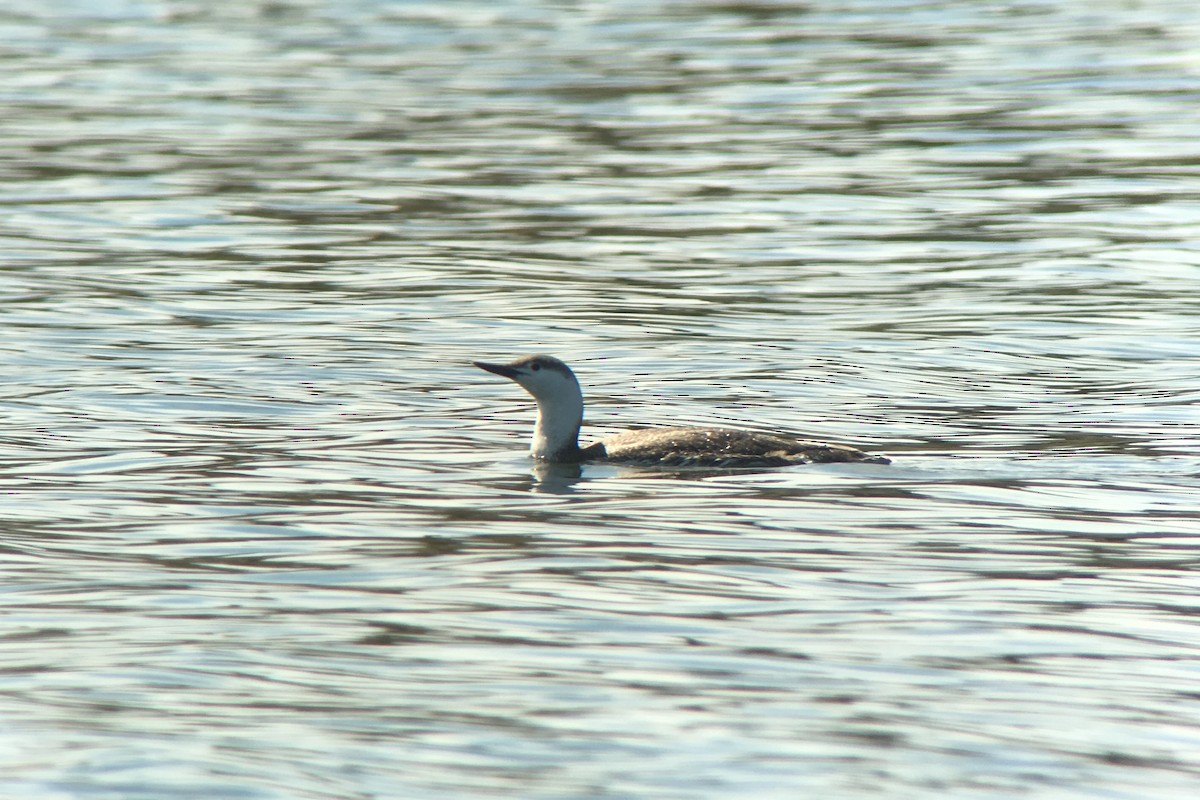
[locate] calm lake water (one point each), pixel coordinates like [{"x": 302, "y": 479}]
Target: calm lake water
[{"x": 267, "y": 535}]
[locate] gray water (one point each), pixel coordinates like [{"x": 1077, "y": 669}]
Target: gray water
[{"x": 267, "y": 534}]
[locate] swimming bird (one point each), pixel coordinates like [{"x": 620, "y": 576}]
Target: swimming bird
[{"x": 560, "y": 415}]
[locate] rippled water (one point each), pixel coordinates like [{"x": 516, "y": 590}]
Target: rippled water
[{"x": 267, "y": 534}]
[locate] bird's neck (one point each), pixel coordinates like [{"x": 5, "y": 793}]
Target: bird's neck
[{"x": 556, "y": 435}]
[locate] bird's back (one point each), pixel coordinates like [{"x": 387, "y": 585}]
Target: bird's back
[{"x": 719, "y": 447}]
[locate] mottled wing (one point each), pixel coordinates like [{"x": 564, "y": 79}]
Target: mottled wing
[{"x": 722, "y": 447}]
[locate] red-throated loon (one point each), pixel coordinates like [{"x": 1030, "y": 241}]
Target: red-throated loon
[{"x": 560, "y": 413}]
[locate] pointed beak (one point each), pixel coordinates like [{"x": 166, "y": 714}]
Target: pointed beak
[{"x": 499, "y": 369}]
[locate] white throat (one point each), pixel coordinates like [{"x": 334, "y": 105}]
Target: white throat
[{"x": 556, "y": 435}]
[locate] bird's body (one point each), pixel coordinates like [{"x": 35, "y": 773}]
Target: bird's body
[
  {"x": 719, "y": 447},
  {"x": 560, "y": 415}
]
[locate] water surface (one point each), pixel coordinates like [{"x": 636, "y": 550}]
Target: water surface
[{"x": 267, "y": 534}]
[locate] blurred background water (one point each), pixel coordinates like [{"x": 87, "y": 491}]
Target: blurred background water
[{"x": 266, "y": 534}]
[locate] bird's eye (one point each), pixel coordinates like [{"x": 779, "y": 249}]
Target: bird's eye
[{"x": 536, "y": 366}]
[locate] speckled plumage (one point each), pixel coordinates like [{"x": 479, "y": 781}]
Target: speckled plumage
[
  {"x": 719, "y": 447},
  {"x": 560, "y": 414}
]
